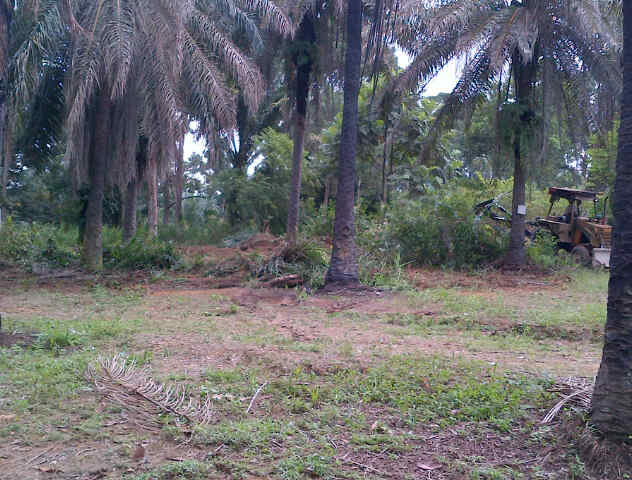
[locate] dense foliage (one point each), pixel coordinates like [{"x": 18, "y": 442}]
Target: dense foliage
[{"x": 419, "y": 176}]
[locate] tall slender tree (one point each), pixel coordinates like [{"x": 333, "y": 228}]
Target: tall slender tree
[
  {"x": 612, "y": 397},
  {"x": 6, "y": 15},
  {"x": 343, "y": 268},
  {"x": 178, "y": 179},
  {"x": 304, "y": 48}
]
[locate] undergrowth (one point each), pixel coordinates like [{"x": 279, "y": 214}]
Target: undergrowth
[
  {"x": 143, "y": 251},
  {"x": 306, "y": 259},
  {"x": 40, "y": 247}
]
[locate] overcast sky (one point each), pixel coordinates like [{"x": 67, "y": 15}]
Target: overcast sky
[{"x": 444, "y": 82}]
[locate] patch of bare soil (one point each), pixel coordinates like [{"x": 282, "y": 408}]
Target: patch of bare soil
[
  {"x": 525, "y": 280},
  {"x": 262, "y": 243},
  {"x": 109, "y": 458},
  {"x": 451, "y": 453},
  {"x": 21, "y": 339},
  {"x": 278, "y": 330}
]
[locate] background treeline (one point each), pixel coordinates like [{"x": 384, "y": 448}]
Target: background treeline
[{"x": 99, "y": 96}]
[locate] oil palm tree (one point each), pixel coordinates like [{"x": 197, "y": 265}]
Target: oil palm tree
[
  {"x": 612, "y": 397},
  {"x": 343, "y": 268},
  {"x": 557, "y": 44},
  {"x": 29, "y": 34},
  {"x": 138, "y": 68},
  {"x": 303, "y": 61},
  {"x": 313, "y": 58},
  {"x": 6, "y": 15}
]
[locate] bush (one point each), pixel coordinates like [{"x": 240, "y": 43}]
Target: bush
[
  {"x": 143, "y": 251},
  {"x": 26, "y": 245},
  {"x": 437, "y": 229},
  {"x": 544, "y": 252},
  {"x": 208, "y": 230},
  {"x": 320, "y": 224}
]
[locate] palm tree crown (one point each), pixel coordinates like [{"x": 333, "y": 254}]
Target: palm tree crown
[{"x": 567, "y": 39}]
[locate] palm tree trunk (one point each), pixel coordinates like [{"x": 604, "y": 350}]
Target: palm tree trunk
[
  {"x": 179, "y": 181},
  {"x": 304, "y": 39},
  {"x": 497, "y": 157},
  {"x": 5, "y": 162},
  {"x": 245, "y": 140},
  {"x": 129, "y": 212},
  {"x": 295, "y": 188},
  {"x": 612, "y": 397},
  {"x": 92, "y": 239},
  {"x": 343, "y": 268},
  {"x": 524, "y": 75},
  {"x": 152, "y": 196},
  {"x": 166, "y": 196},
  {"x": 384, "y": 164},
  {"x": 516, "y": 253}
]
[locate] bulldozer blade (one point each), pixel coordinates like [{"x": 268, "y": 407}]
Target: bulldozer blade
[{"x": 601, "y": 257}]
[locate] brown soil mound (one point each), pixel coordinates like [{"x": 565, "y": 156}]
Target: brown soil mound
[{"x": 260, "y": 241}]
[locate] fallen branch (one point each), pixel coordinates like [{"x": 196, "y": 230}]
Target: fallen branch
[
  {"x": 41, "y": 454},
  {"x": 254, "y": 398},
  {"x": 367, "y": 467},
  {"x": 285, "y": 281}
]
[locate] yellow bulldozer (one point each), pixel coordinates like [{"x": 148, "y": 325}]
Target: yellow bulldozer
[{"x": 587, "y": 238}]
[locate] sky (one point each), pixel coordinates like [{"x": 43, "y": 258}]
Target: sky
[{"x": 444, "y": 82}]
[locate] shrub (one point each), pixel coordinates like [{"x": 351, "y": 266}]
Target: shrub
[
  {"x": 437, "y": 229},
  {"x": 24, "y": 244},
  {"x": 544, "y": 252},
  {"x": 143, "y": 251},
  {"x": 203, "y": 230}
]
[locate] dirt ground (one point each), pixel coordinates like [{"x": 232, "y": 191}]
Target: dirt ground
[{"x": 187, "y": 330}]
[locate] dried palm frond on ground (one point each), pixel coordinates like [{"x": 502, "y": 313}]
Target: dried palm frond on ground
[
  {"x": 146, "y": 400},
  {"x": 603, "y": 458},
  {"x": 575, "y": 392}
]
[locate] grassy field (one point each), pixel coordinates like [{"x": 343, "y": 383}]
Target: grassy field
[{"x": 446, "y": 379}]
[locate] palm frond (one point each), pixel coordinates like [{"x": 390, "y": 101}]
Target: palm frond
[
  {"x": 238, "y": 65},
  {"x": 273, "y": 17},
  {"x": 211, "y": 82},
  {"x": 575, "y": 392},
  {"x": 470, "y": 91},
  {"x": 146, "y": 400}
]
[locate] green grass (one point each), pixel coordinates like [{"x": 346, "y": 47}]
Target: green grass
[
  {"x": 34, "y": 381},
  {"x": 574, "y": 309},
  {"x": 364, "y": 400}
]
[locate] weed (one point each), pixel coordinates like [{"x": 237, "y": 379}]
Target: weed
[
  {"x": 57, "y": 338},
  {"x": 297, "y": 468},
  {"x": 186, "y": 470},
  {"x": 248, "y": 434},
  {"x": 143, "y": 251}
]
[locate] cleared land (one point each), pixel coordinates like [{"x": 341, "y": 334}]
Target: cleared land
[{"x": 444, "y": 380}]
